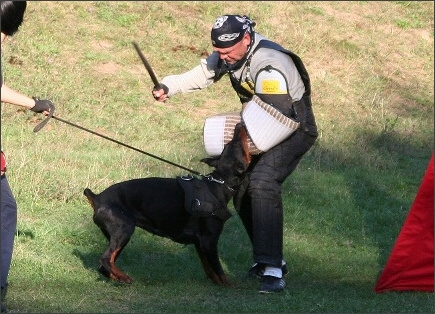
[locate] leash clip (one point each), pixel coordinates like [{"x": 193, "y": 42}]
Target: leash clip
[{"x": 210, "y": 178}]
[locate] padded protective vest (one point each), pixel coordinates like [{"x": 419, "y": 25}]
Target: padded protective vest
[{"x": 245, "y": 95}]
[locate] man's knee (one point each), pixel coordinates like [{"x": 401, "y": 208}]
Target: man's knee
[{"x": 264, "y": 188}]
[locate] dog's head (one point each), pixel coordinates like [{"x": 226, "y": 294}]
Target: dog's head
[{"x": 235, "y": 157}]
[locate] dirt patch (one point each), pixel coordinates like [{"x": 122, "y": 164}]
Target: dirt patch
[
  {"x": 107, "y": 68},
  {"x": 101, "y": 45}
]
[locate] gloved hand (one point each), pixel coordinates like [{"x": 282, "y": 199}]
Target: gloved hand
[
  {"x": 42, "y": 105},
  {"x": 160, "y": 93}
]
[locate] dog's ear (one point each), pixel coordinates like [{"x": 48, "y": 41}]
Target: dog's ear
[{"x": 211, "y": 161}]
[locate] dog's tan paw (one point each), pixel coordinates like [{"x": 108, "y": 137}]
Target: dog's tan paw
[{"x": 121, "y": 278}]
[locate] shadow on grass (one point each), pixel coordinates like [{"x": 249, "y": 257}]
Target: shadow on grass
[
  {"x": 148, "y": 258},
  {"x": 385, "y": 204},
  {"x": 381, "y": 183},
  {"x": 25, "y": 234}
]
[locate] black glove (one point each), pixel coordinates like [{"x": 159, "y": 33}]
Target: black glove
[
  {"x": 42, "y": 105},
  {"x": 162, "y": 86}
]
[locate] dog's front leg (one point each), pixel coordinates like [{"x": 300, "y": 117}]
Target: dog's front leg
[{"x": 221, "y": 278}]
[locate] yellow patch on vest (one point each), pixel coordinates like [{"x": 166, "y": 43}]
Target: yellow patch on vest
[{"x": 270, "y": 87}]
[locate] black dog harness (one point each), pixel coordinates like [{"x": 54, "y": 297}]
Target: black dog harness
[{"x": 199, "y": 201}]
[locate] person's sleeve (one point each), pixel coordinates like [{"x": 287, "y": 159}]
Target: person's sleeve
[{"x": 198, "y": 78}]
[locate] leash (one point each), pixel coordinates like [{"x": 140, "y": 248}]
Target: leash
[{"x": 44, "y": 122}]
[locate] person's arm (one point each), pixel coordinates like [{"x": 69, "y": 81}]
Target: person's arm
[
  {"x": 198, "y": 78},
  {"x": 11, "y": 96}
]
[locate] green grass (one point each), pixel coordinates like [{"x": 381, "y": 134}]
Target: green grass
[{"x": 371, "y": 67}]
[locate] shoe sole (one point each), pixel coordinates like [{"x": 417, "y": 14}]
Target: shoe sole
[
  {"x": 266, "y": 292},
  {"x": 271, "y": 291},
  {"x": 272, "y": 288}
]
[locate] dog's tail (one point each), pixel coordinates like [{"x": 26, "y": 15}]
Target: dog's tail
[{"x": 90, "y": 196}]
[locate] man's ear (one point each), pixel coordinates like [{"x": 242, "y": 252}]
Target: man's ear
[{"x": 211, "y": 161}]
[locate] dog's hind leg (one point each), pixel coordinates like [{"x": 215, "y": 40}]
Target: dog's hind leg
[
  {"x": 118, "y": 229},
  {"x": 109, "y": 269}
]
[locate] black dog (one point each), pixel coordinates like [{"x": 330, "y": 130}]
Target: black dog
[{"x": 187, "y": 210}]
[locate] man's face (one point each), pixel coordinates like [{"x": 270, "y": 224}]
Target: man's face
[{"x": 234, "y": 53}]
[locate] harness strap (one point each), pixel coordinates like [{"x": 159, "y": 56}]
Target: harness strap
[{"x": 199, "y": 202}]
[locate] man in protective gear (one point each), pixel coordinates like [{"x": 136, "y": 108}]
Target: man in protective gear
[{"x": 260, "y": 71}]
